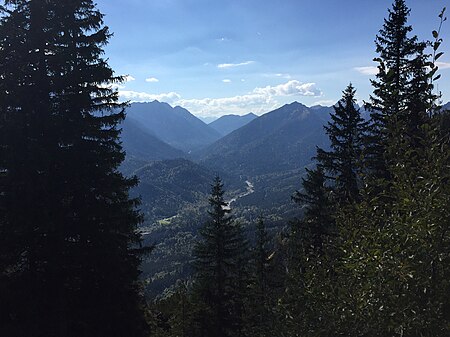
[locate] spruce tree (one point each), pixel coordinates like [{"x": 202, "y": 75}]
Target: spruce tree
[
  {"x": 68, "y": 229},
  {"x": 389, "y": 102},
  {"x": 395, "y": 253},
  {"x": 311, "y": 260},
  {"x": 343, "y": 163},
  {"x": 260, "y": 317},
  {"x": 220, "y": 264},
  {"x": 318, "y": 220}
]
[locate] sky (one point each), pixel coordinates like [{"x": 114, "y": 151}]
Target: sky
[{"x": 217, "y": 57}]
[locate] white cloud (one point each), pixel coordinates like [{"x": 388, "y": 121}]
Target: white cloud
[
  {"x": 129, "y": 78},
  {"x": 151, "y": 80},
  {"x": 233, "y": 65},
  {"x": 369, "y": 70},
  {"x": 226, "y": 80},
  {"x": 290, "y": 88},
  {"x": 240, "y": 104},
  {"x": 279, "y": 75},
  {"x": 325, "y": 102},
  {"x": 136, "y": 96},
  {"x": 443, "y": 65},
  {"x": 259, "y": 100}
]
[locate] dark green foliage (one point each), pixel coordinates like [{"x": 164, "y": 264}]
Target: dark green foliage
[
  {"x": 68, "y": 226},
  {"x": 318, "y": 214},
  {"x": 168, "y": 186},
  {"x": 220, "y": 264},
  {"x": 400, "y": 58},
  {"x": 260, "y": 320},
  {"x": 343, "y": 163},
  {"x": 399, "y": 273},
  {"x": 311, "y": 260}
]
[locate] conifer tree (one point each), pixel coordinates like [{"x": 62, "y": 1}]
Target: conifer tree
[
  {"x": 388, "y": 105},
  {"x": 311, "y": 260},
  {"x": 395, "y": 252},
  {"x": 220, "y": 257},
  {"x": 68, "y": 229},
  {"x": 260, "y": 316},
  {"x": 318, "y": 214},
  {"x": 343, "y": 163}
]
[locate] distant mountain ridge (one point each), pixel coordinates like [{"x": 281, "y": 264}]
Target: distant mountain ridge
[
  {"x": 138, "y": 142},
  {"x": 283, "y": 139},
  {"x": 228, "y": 123},
  {"x": 174, "y": 126}
]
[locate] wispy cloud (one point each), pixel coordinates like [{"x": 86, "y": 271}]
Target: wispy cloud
[
  {"x": 369, "y": 70},
  {"x": 443, "y": 65},
  {"x": 151, "y": 80},
  {"x": 279, "y": 75},
  {"x": 233, "y": 65}
]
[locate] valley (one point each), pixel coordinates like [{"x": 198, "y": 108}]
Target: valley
[{"x": 261, "y": 161}]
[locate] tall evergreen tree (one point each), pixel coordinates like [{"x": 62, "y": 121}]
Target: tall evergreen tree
[
  {"x": 318, "y": 215},
  {"x": 311, "y": 260},
  {"x": 343, "y": 163},
  {"x": 220, "y": 263},
  {"x": 68, "y": 227},
  {"x": 388, "y": 105},
  {"x": 260, "y": 316},
  {"x": 395, "y": 252}
]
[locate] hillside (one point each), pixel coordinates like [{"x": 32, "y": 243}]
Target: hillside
[
  {"x": 228, "y": 123},
  {"x": 284, "y": 139},
  {"x": 169, "y": 185},
  {"x": 175, "y": 126},
  {"x": 142, "y": 147}
]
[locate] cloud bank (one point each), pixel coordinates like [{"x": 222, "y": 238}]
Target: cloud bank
[{"x": 259, "y": 100}]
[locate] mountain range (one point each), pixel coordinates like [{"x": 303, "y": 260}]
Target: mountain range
[
  {"x": 175, "y": 126},
  {"x": 228, "y": 123},
  {"x": 280, "y": 140},
  {"x": 175, "y": 156}
]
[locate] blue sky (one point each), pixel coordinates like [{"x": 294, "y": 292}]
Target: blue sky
[{"x": 240, "y": 56}]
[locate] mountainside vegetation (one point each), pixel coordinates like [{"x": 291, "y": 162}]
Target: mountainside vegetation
[
  {"x": 280, "y": 140},
  {"x": 368, "y": 254},
  {"x": 139, "y": 219}
]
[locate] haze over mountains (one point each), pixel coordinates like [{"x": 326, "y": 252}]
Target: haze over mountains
[
  {"x": 283, "y": 139},
  {"x": 271, "y": 151},
  {"x": 228, "y": 123},
  {"x": 175, "y": 155},
  {"x": 175, "y": 126}
]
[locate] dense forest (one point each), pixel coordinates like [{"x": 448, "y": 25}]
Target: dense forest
[{"x": 368, "y": 253}]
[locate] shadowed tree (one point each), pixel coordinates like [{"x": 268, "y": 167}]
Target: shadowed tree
[{"x": 68, "y": 229}]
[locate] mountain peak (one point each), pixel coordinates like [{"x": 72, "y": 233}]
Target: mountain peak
[
  {"x": 229, "y": 123},
  {"x": 175, "y": 126}
]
